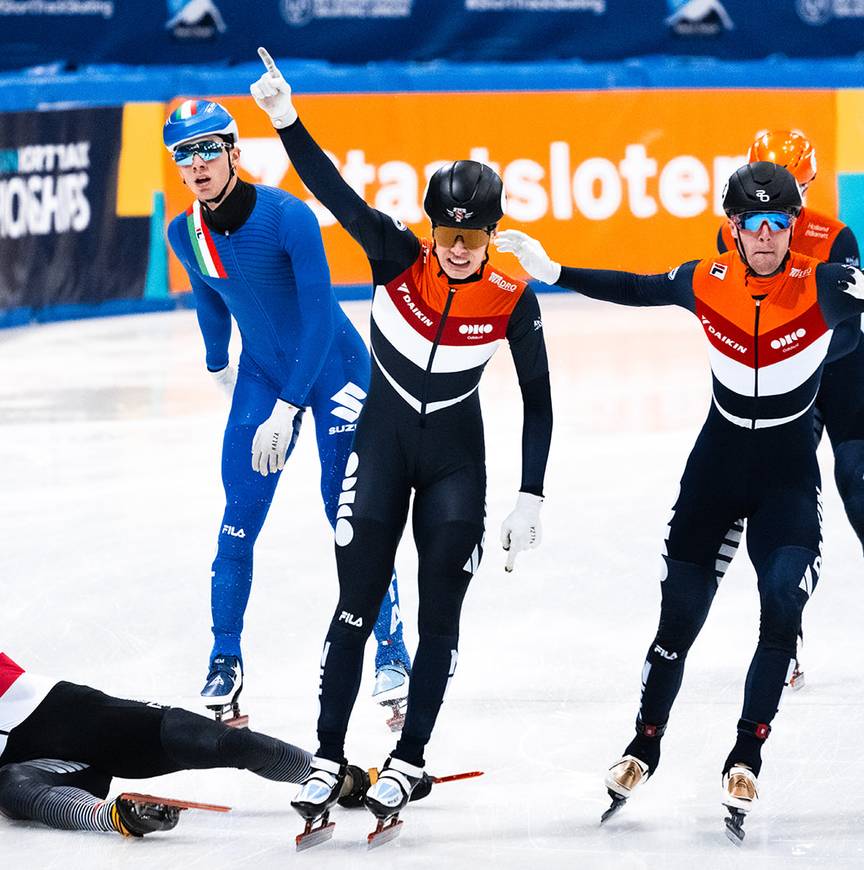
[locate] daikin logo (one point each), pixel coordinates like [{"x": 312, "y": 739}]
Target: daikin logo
[{"x": 698, "y": 18}]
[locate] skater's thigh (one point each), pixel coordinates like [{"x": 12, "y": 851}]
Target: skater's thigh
[
  {"x": 78, "y": 723},
  {"x": 707, "y": 506}
]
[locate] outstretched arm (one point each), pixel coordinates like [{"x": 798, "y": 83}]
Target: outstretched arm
[
  {"x": 382, "y": 238},
  {"x": 622, "y": 288}
]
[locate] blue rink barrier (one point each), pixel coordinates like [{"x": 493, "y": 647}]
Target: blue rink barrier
[{"x": 52, "y": 87}]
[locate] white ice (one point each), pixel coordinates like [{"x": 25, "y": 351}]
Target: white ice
[{"x": 110, "y": 433}]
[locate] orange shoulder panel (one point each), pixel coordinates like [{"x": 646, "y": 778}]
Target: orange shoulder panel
[{"x": 814, "y": 234}]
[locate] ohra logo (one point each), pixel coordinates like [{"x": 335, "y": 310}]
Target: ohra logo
[
  {"x": 344, "y": 529},
  {"x": 791, "y": 338},
  {"x": 475, "y": 329}
]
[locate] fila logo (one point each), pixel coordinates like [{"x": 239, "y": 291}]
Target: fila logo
[
  {"x": 235, "y": 533},
  {"x": 671, "y": 657},
  {"x": 786, "y": 340},
  {"x": 475, "y": 329},
  {"x": 763, "y": 196},
  {"x": 795, "y": 272},
  {"x": 504, "y": 284},
  {"x": 351, "y": 619},
  {"x": 718, "y": 270},
  {"x": 349, "y": 401},
  {"x": 344, "y": 529}
]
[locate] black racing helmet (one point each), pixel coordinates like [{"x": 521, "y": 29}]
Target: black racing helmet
[
  {"x": 466, "y": 194},
  {"x": 761, "y": 186}
]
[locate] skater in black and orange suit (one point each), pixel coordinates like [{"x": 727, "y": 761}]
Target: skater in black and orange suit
[
  {"x": 768, "y": 314},
  {"x": 439, "y": 311}
]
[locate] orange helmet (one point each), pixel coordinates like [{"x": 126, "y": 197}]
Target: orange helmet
[{"x": 789, "y": 148}]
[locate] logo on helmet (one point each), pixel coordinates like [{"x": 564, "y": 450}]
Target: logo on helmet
[{"x": 459, "y": 214}]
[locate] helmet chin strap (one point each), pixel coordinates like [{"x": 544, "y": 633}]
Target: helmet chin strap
[{"x": 218, "y": 198}]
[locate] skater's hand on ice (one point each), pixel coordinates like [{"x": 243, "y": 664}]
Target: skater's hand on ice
[
  {"x": 530, "y": 254},
  {"x": 226, "y": 379},
  {"x": 274, "y": 436},
  {"x": 521, "y": 530},
  {"x": 273, "y": 94}
]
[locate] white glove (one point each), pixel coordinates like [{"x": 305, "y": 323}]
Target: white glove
[
  {"x": 521, "y": 530},
  {"x": 273, "y": 94},
  {"x": 530, "y": 254},
  {"x": 226, "y": 379},
  {"x": 272, "y": 438}
]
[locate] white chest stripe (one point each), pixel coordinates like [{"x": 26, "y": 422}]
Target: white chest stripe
[
  {"x": 746, "y": 422},
  {"x": 414, "y": 403},
  {"x": 416, "y": 347},
  {"x": 775, "y": 379}
]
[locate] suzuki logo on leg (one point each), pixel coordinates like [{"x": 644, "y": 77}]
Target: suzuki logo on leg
[{"x": 349, "y": 401}]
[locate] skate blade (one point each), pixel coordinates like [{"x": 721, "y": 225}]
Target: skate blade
[
  {"x": 314, "y": 836},
  {"x": 385, "y": 832},
  {"x": 617, "y": 803},
  {"x": 241, "y": 721},
  {"x": 735, "y": 825},
  {"x": 396, "y": 722},
  {"x": 797, "y": 683}
]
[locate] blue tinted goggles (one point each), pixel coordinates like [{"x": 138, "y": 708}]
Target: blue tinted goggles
[
  {"x": 207, "y": 150},
  {"x": 753, "y": 220}
]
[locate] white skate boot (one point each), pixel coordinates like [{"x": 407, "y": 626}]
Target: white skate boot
[
  {"x": 621, "y": 781},
  {"x": 740, "y": 794}
]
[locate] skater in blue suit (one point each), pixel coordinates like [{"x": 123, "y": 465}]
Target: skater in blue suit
[{"x": 256, "y": 253}]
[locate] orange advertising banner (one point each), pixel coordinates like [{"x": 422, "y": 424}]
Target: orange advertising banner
[{"x": 610, "y": 179}]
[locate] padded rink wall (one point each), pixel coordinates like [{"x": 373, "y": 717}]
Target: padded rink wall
[{"x": 616, "y": 177}]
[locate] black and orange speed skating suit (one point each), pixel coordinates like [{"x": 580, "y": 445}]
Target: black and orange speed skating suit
[
  {"x": 839, "y": 407},
  {"x": 420, "y": 430},
  {"x": 754, "y": 458}
]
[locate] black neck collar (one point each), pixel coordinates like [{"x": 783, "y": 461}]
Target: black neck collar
[{"x": 234, "y": 210}]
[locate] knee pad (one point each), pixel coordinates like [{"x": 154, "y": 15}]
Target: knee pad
[
  {"x": 786, "y": 581},
  {"x": 687, "y": 591}
]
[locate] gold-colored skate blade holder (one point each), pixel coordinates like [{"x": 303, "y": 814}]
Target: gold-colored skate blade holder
[
  {"x": 313, "y": 836},
  {"x": 386, "y": 831}
]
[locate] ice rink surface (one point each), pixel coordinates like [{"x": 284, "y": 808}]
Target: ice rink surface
[{"x": 110, "y": 433}]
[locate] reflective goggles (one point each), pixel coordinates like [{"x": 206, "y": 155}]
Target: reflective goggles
[
  {"x": 752, "y": 220},
  {"x": 472, "y": 239},
  {"x": 208, "y": 149}
]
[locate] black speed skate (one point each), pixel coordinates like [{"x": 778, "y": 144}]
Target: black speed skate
[
  {"x": 389, "y": 795},
  {"x": 136, "y": 818},
  {"x": 317, "y": 796},
  {"x": 222, "y": 690}
]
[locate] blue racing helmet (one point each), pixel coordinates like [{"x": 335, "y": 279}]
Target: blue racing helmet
[{"x": 195, "y": 118}]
